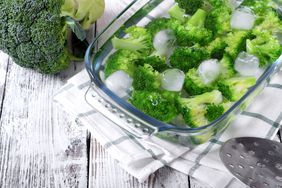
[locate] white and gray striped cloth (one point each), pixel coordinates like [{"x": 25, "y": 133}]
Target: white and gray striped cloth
[{"x": 140, "y": 158}]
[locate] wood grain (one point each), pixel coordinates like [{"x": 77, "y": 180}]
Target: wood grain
[{"x": 40, "y": 145}]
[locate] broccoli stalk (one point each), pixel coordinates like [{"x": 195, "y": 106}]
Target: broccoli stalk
[
  {"x": 176, "y": 12},
  {"x": 227, "y": 67},
  {"x": 139, "y": 40},
  {"x": 161, "y": 106},
  {"x": 35, "y": 32},
  {"x": 234, "y": 88},
  {"x": 194, "y": 109}
]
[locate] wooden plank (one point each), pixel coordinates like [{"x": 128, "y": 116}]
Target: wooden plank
[{"x": 40, "y": 145}]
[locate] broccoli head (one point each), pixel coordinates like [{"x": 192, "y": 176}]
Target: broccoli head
[
  {"x": 236, "y": 43},
  {"x": 185, "y": 58},
  {"x": 191, "y": 6},
  {"x": 193, "y": 32},
  {"x": 218, "y": 20},
  {"x": 265, "y": 47},
  {"x": 139, "y": 40},
  {"x": 194, "y": 109},
  {"x": 161, "y": 106},
  {"x": 146, "y": 78},
  {"x": 227, "y": 67},
  {"x": 157, "y": 62},
  {"x": 216, "y": 48},
  {"x": 160, "y": 24},
  {"x": 271, "y": 23},
  {"x": 234, "y": 88},
  {"x": 34, "y": 32},
  {"x": 194, "y": 85},
  {"x": 121, "y": 60},
  {"x": 258, "y": 7},
  {"x": 214, "y": 111}
]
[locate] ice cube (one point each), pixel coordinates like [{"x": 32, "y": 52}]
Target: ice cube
[
  {"x": 209, "y": 70},
  {"x": 120, "y": 83},
  {"x": 243, "y": 19},
  {"x": 173, "y": 80},
  {"x": 247, "y": 64},
  {"x": 164, "y": 42}
]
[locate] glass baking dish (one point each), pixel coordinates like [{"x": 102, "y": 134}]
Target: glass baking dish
[{"x": 132, "y": 120}]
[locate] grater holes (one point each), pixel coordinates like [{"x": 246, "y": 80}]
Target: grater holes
[
  {"x": 241, "y": 166},
  {"x": 250, "y": 179},
  {"x": 251, "y": 166},
  {"x": 228, "y": 155},
  {"x": 242, "y": 156},
  {"x": 231, "y": 165},
  {"x": 265, "y": 184},
  {"x": 251, "y": 152},
  {"x": 261, "y": 165},
  {"x": 278, "y": 166}
]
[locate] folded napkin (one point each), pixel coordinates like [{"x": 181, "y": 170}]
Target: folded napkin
[{"x": 140, "y": 158}]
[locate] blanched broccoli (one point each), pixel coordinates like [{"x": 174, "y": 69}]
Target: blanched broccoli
[
  {"x": 161, "y": 106},
  {"x": 194, "y": 109},
  {"x": 271, "y": 23},
  {"x": 191, "y": 6},
  {"x": 234, "y": 88},
  {"x": 216, "y": 48},
  {"x": 236, "y": 42},
  {"x": 218, "y": 20},
  {"x": 176, "y": 12},
  {"x": 194, "y": 85},
  {"x": 265, "y": 47},
  {"x": 139, "y": 40},
  {"x": 160, "y": 24},
  {"x": 193, "y": 32},
  {"x": 258, "y": 7},
  {"x": 185, "y": 58},
  {"x": 157, "y": 62},
  {"x": 121, "y": 60},
  {"x": 215, "y": 111},
  {"x": 35, "y": 32},
  {"x": 227, "y": 67},
  {"x": 146, "y": 78}
]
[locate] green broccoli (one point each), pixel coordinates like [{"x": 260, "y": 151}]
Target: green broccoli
[
  {"x": 265, "y": 47},
  {"x": 193, "y": 32},
  {"x": 234, "y": 88},
  {"x": 176, "y": 12},
  {"x": 236, "y": 43},
  {"x": 185, "y": 58},
  {"x": 160, "y": 24},
  {"x": 194, "y": 109},
  {"x": 258, "y": 7},
  {"x": 227, "y": 67},
  {"x": 216, "y": 48},
  {"x": 139, "y": 40},
  {"x": 146, "y": 78},
  {"x": 161, "y": 106},
  {"x": 218, "y": 20},
  {"x": 271, "y": 23},
  {"x": 215, "y": 111},
  {"x": 194, "y": 85},
  {"x": 35, "y": 32},
  {"x": 121, "y": 60},
  {"x": 157, "y": 62},
  {"x": 191, "y": 6}
]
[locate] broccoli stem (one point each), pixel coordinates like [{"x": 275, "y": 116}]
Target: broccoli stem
[{"x": 198, "y": 19}]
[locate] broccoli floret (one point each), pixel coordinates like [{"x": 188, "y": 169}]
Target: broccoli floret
[
  {"x": 194, "y": 109},
  {"x": 218, "y": 20},
  {"x": 216, "y": 48},
  {"x": 139, "y": 40},
  {"x": 146, "y": 78},
  {"x": 258, "y": 7},
  {"x": 194, "y": 85},
  {"x": 121, "y": 60},
  {"x": 193, "y": 31},
  {"x": 157, "y": 62},
  {"x": 271, "y": 23},
  {"x": 215, "y": 111},
  {"x": 236, "y": 43},
  {"x": 34, "y": 32},
  {"x": 185, "y": 58},
  {"x": 161, "y": 106},
  {"x": 191, "y": 6},
  {"x": 265, "y": 47},
  {"x": 234, "y": 88},
  {"x": 176, "y": 12},
  {"x": 160, "y": 24},
  {"x": 227, "y": 67}
]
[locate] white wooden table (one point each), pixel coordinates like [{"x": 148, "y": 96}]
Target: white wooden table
[{"x": 42, "y": 146}]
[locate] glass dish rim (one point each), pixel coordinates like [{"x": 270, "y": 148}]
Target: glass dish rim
[{"x": 93, "y": 68}]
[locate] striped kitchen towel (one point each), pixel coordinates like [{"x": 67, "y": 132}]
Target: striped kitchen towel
[{"x": 142, "y": 157}]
